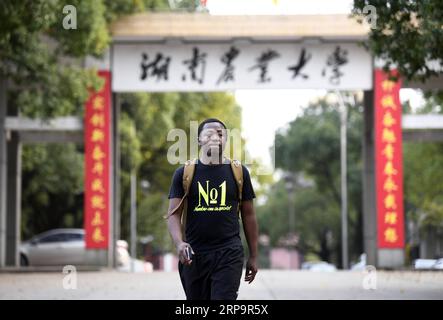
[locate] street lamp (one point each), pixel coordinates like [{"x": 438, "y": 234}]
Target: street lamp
[
  {"x": 344, "y": 184},
  {"x": 290, "y": 187},
  {"x": 133, "y": 219}
]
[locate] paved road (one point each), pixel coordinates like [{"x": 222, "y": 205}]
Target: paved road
[{"x": 269, "y": 284}]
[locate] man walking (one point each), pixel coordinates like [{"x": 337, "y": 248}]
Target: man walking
[{"x": 207, "y": 196}]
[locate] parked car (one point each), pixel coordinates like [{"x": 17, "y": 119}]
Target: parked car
[
  {"x": 321, "y": 266},
  {"x": 428, "y": 264},
  {"x": 439, "y": 264},
  {"x": 306, "y": 265},
  {"x": 63, "y": 247}
]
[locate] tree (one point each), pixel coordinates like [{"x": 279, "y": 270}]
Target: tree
[
  {"x": 423, "y": 188},
  {"x": 42, "y": 63},
  {"x": 422, "y": 175},
  {"x": 52, "y": 179},
  {"x": 407, "y": 34},
  {"x": 311, "y": 145},
  {"x": 317, "y": 217}
]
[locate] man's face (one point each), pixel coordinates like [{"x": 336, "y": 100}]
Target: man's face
[{"x": 212, "y": 138}]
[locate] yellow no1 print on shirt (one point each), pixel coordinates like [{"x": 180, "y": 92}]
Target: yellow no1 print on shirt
[{"x": 212, "y": 196}]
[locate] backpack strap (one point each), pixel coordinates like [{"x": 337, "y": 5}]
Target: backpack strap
[
  {"x": 237, "y": 170},
  {"x": 188, "y": 174}
]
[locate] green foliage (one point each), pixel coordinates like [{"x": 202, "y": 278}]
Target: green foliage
[
  {"x": 407, "y": 34},
  {"x": 422, "y": 183},
  {"x": 43, "y": 61},
  {"x": 317, "y": 217},
  {"x": 124, "y": 7},
  {"x": 52, "y": 176},
  {"x": 311, "y": 145},
  {"x": 91, "y": 36},
  {"x": 189, "y": 5},
  {"x": 151, "y": 209},
  {"x": 422, "y": 174}
]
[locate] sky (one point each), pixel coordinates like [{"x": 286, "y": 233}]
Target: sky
[{"x": 265, "y": 111}]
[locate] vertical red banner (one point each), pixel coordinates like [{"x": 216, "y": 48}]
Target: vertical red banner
[
  {"x": 388, "y": 162},
  {"x": 97, "y": 157}
]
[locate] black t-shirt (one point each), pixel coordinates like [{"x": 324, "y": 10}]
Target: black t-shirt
[{"x": 212, "y": 220}]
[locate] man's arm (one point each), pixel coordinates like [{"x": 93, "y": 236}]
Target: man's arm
[
  {"x": 174, "y": 227},
  {"x": 250, "y": 227}
]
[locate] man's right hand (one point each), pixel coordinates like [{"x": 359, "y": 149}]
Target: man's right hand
[{"x": 181, "y": 251}]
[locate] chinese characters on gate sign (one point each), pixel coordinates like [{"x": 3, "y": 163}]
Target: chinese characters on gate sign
[
  {"x": 335, "y": 61},
  {"x": 157, "y": 66},
  {"x": 157, "y": 69},
  {"x": 263, "y": 63},
  {"x": 217, "y": 67},
  {"x": 228, "y": 71},
  {"x": 302, "y": 60}
]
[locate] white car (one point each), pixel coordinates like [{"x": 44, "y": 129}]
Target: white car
[
  {"x": 439, "y": 264},
  {"x": 63, "y": 247},
  {"x": 319, "y": 266},
  {"x": 424, "y": 264}
]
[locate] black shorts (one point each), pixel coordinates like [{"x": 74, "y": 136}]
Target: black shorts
[{"x": 214, "y": 275}]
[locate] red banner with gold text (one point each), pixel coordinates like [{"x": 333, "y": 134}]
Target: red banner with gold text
[
  {"x": 97, "y": 170},
  {"x": 388, "y": 161}
]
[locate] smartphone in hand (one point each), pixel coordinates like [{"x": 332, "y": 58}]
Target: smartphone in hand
[{"x": 188, "y": 253}]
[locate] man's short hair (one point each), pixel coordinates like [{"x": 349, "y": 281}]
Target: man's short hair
[{"x": 202, "y": 124}]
